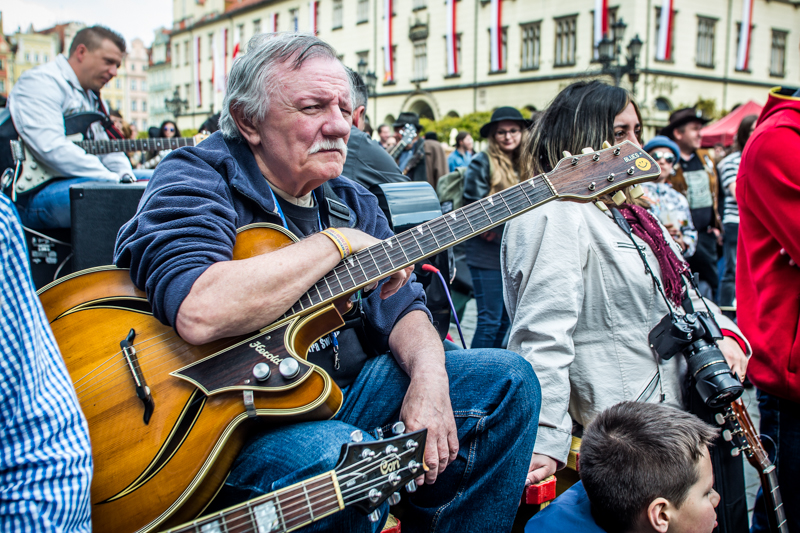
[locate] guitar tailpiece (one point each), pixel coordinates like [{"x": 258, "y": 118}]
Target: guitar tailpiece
[{"x": 249, "y": 406}]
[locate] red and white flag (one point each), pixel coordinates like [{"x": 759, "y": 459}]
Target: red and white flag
[
  {"x": 388, "y": 59},
  {"x": 312, "y": 17},
  {"x": 272, "y": 27},
  {"x": 451, "y": 37},
  {"x": 600, "y": 23},
  {"x": 496, "y": 35},
  {"x": 198, "y": 93},
  {"x": 743, "y": 54},
  {"x": 664, "y": 48},
  {"x": 220, "y": 60},
  {"x": 237, "y": 37}
]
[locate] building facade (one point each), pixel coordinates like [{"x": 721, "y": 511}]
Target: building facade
[
  {"x": 159, "y": 78},
  {"x": 134, "y": 80},
  {"x": 545, "y": 46},
  {"x": 31, "y": 49}
]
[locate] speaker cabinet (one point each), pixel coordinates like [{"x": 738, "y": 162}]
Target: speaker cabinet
[{"x": 98, "y": 211}]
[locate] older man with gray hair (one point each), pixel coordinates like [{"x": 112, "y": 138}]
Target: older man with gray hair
[{"x": 278, "y": 158}]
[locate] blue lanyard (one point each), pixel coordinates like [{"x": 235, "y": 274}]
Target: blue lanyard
[{"x": 280, "y": 210}]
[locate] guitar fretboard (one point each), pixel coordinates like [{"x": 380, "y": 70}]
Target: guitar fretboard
[
  {"x": 380, "y": 260},
  {"x": 135, "y": 145},
  {"x": 285, "y": 510}
]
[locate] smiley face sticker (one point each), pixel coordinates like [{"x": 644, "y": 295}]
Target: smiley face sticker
[{"x": 643, "y": 164}]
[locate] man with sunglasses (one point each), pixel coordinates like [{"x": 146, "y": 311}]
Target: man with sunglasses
[{"x": 670, "y": 206}]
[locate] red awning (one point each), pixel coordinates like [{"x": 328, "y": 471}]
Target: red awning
[{"x": 724, "y": 129}]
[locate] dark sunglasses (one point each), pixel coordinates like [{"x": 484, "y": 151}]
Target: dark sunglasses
[
  {"x": 668, "y": 157},
  {"x": 169, "y": 129}
]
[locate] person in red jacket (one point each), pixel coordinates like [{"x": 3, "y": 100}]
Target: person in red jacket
[{"x": 768, "y": 285}]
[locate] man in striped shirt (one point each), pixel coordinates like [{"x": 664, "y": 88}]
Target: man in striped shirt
[{"x": 45, "y": 454}]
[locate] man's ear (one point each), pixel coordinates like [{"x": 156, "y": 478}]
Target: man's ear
[
  {"x": 80, "y": 52},
  {"x": 358, "y": 117},
  {"x": 658, "y": 514},
  {"x": 246, "y": 127}
]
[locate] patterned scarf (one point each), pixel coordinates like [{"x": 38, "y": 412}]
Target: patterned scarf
[{"x": 646, "y": 227}]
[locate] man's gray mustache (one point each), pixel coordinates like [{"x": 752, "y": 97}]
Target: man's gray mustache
[{"x": 329, "y": 144}]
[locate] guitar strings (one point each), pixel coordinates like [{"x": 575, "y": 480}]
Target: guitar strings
[
  {"x": 516, "y": 197},
  {"x": 512, "y": 203}
]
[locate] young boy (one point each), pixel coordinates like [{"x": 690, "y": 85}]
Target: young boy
[{"x": 644, "y": 468}]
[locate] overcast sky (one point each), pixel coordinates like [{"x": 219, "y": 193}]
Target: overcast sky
[{"x": 131, "y": 19}]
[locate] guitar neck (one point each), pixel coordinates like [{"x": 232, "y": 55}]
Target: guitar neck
[
  {"x": 382, "y": 259},
  {"x": 285, "y": 510},
  {"x": 135, "y": 145},
  {"x": 772, "y": 495}
]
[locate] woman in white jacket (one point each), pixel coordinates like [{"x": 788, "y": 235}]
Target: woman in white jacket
[{"x": 576, "y": 290}]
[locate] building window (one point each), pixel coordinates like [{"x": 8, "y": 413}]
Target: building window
[
  {"x": 35, "y": 57},
  {"x": 2, "y": 86},
  {"x": 256, "y": 27},
  {"x": 362, "y": 14},
  {"x": 705, "y": 42},
  {"x": 176, "y": 55},
  {"x": 565, "y": 41},
  {"x": 363, "y": 62},
  {"x": 211, "y": 46},
  {"x": 133, "y": 85},
  {"x": 119, "y": 105},
  {"x": 144, "y": 105},
  {"x": 242, "y": 42},
  {"x": 188, "y": 92},
  {"x": 294, "y": 19},
  {"x": 777, "y": 60},
  {"x": 118, "y": 83},
  {"x": 419, "y": 4},
  {"x": 612, "y": 19},
  {"x": 186, "y": 53},
  {"x": 503, "y": 49},
  {"x": 420, "y": 61},
  {"x": 133, "y": 105},
  {"x": 531, "y": 45},
  {"x": 45, "y": 58},
  {"x": 27, "y": 58},
  {"x": 144, "y": 85},
  {"x": 672, "y": 37},
  {"x": 337, "y": 14}
]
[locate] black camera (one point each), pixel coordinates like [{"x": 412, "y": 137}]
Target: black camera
[{"x": 694, "y": 335}]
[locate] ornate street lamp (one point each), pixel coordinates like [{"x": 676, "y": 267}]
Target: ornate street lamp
[
  {"x": 609, "y": 52},
  {"x": 176, "y": 105},
  {"x": 372, "y": 82}
]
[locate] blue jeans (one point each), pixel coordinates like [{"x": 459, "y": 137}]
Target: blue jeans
[
  {"x": 780, "y": 420},
  {"x": 48, "y": 207},
  {"x": 493, "y": 321},
  {"x": 727, "y": 290},
  {"x": 495, "y": 398}
]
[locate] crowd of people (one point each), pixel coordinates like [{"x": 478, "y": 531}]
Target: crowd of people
[{"x": 568, "y": 295}]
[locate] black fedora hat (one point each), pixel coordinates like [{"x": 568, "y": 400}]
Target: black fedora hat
[
  {"x": 504, "y": 113},
  {"x": 683, "y": 116},
  {"x": 407, "y": 117}
]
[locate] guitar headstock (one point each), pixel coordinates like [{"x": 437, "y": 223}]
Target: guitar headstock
[
  {"x": 200, "y": 137},
  {"x": 369, "y": 473},
  {"x": 743, "y": 434},
  {"x": 589, "y": 175},
  {"x": 407, "y": 134}
]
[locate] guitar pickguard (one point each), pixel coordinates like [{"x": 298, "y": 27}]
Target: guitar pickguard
[{"x": 232, "y": 369}]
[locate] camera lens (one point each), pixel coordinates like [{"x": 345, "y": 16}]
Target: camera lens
[{"x": 714, "y": 381}]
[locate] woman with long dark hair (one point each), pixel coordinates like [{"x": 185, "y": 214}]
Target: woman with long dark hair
[
  {"x": 494, "y": 170},
  {"x": 167, "y": 130},
  {"x": 575, "y": 285}
]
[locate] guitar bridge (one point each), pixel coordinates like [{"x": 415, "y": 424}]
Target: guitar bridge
[{"x": 142, "y": 390}]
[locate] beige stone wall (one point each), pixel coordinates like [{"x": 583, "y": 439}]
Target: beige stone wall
[{"x": 476, "y": 89}]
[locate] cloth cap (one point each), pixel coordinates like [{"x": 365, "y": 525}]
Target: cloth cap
[{"x": 659, "y": 141}]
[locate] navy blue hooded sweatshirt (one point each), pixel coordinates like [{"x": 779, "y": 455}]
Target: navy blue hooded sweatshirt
[{"x": 187, "y": 221}]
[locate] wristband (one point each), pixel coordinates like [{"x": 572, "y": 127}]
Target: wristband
[{"x": 341, "y": 242}]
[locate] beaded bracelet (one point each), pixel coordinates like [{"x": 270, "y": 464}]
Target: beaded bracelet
[{"x": 339, "y": 240}]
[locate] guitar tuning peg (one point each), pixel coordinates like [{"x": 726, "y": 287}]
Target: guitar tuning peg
[
  {"x": 394, "y": 499},
  {"x": 566, "y": 154},
  {"x": 587, "y": 150},
  {"x": 727, "y": 436},
  {"x": 356, "y": 436},
  {"x": 606, "y": 144},
  {"x": 636, "y": 191},
  {"x": 601, "y": 206},
  {"x": 735, "y": 452},
  {"x": 720, "y": 419},
  {"x": 398, "y": 428},
  {"x": 374, "y": 516},
  {"x": 618, "y": 197},
  {"x": 411, "y": 486}
]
